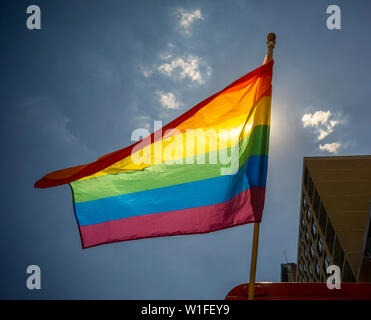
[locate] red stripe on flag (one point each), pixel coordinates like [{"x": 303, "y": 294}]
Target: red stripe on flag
[
  {"x": 72, "y": 174},
  {"x": 246, "y": 207}
]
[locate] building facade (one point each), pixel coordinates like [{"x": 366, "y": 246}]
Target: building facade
[{"x": 334, "y": 224}]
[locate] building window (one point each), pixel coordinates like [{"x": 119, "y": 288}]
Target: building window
[
  {"x": 306, "y": 177},
  {"x": 312, "y": 251},
  {"x": 299, "y": 266},
  {"x": 305, "y": 252},
  {"x": 301, "y": 253},
  {"x": 319, "y": 245},
  {"x": 302, "y": 221},
  {"x": 308, "y": 214},
  {"x": 301, "y": 238},
  {"x": 314, "y": 228},
  {"x": 316, "y": 201},
  {"x": 310, "y": 188},
  {"x": 304, "y": 268},
  {"x": 322, "y": 218},
  {"x": 307, "y": 235},
  {"x": 317, "y": 269},
  {"x": 310, "y": 269},
  {"x": 330, "y": 234},
  {"x": 304, "y": 202},
  {"x": 325, "y": 263}
]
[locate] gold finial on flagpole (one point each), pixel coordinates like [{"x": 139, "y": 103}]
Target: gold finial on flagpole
[{"x": 271, "y": 37}]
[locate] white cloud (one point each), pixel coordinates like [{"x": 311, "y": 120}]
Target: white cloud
[
  {"x": 168, "y": 100},
  {"x": 324, "y": 123},
  {"x": 187, "y": 18},
  {"x": 315, "y": 119},
  {"x": 330, "y": 147},
  {"x": 146, "y": 72},
  {"x": 182, "y": 68},
  {"x": 320, "y": 121},
  {"x": 179, "y": 68}
]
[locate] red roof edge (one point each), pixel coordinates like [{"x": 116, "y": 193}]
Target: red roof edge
[{"x": 302, "y": 291}]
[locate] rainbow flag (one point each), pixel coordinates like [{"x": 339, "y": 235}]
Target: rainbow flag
[{"x": 204, "y": 171}]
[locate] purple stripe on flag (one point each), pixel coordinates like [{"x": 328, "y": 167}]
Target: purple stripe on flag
[{"x": 246, "y": 207}]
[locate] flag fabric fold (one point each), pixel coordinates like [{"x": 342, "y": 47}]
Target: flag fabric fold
[{"x": 202, "y": 172}]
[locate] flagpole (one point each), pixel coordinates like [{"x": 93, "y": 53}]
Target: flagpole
[{"x": 254, "y": 254}]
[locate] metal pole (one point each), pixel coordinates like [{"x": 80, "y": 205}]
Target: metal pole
[{"x": 254, "y": 254}]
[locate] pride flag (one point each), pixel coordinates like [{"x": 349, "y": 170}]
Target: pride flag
[{"x": 204, "y": 171}]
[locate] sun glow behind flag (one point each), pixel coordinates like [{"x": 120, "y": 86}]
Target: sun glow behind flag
[{"x": 202, "y": 172}]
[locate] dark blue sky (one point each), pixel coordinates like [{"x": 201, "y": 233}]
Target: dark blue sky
[{"x": 97, "y": 70}]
